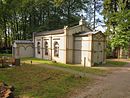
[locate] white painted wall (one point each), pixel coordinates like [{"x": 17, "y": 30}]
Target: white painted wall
[
  {"x": 38, "y": 39},
  {"x": 82, "y": 50},
  {"x": 51, "y": 39},
  {"x": 60, "y": 38},
  {"x": 23, "y": 50},
  {"x": 86, "y": 51},
  {"x": 98, "y": 49},
  {"x": 70, "y": 41},
  {"x": 26, "y": 52}
]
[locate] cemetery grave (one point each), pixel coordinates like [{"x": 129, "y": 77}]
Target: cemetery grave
[{"x": 8, "y": 62}]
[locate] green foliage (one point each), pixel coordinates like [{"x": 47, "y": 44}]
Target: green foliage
[
  {"x": 7, "y": 55},
  {"x": 117, "y": 18},
  {"x": 116, "y": 64},
  {"x": 19, "y": 18}
]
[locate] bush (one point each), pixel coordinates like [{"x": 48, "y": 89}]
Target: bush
[{"x": 5, "y": 50}]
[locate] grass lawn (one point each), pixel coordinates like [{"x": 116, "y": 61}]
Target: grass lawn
[
  {"x": 70, "y": 66},
  {"x": 114, "y": 64},
  {"x": 39, "y": 82},
  {"x": 8, "y": 55}
]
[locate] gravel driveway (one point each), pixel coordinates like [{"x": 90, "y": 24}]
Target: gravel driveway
[{"x": 115, "y": 85}]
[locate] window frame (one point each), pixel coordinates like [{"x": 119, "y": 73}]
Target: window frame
[
  {"x": 46, "y": 48},
  {"x": 38, "y": 48},
  {"x": 56, "y": 49}
]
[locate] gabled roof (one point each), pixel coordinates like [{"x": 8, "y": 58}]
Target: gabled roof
[
  {"x": 58, "y": 31},
  {"x": 52, "y": 32},
  {"x": 86, "y": 33}
]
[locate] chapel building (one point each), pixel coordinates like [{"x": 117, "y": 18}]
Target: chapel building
[{"x": 70, "y": 45}]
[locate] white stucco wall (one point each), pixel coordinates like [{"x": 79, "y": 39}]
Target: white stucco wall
[
  {"x": 26, "y": 52},
  {"x": 23, "y": 50},
  {"x": 70, "y": 41},
  {"x": 38, "y": 39},
  {"x": 98, "y": 49},
  {"x": 77, "y": 50},
  {"x": 82, "y": 53},
  {"x": 60, "y": 38},
  {"x": 86, "y": 51},
  {"x": 51, "y": 39}
]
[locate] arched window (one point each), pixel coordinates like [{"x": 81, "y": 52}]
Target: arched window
[
  {"x": 38, "y": 47},
  {"x": 56, "y": 49},
  {"x": 46, "y": 48}
]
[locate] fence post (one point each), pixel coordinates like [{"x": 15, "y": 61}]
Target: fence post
[{"x": 84, "y": 65}]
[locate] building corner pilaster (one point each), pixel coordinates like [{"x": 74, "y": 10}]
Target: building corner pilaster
[{"x": 65, "y": 40}]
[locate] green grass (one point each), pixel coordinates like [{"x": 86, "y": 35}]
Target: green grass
[
  {"x": 8, "y": 55},
  {"x": 114, "y": 64},
  {"x": 39, "y": 82},
  {"x": 95, "y": 71}
]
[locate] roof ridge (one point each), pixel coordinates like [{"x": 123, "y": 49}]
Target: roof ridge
[{"x": 57, "y": 31}]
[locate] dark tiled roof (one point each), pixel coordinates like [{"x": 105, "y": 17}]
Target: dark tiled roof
[
  {"x": 23, "y": 42},
  {"x": 52, "y": 32},
  {"x": 86, "y": 33}
]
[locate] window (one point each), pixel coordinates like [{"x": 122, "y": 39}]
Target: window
[
  {"x": 56, "y": 49},
  {"x": 99, "y": 43},
  {"x": 38, "y": 47},
  {"x": 46, "y": 48}
]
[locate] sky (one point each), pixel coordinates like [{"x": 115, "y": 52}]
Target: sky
[{"x": 100, "y": 26}]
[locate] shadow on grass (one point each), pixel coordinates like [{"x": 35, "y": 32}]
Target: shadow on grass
[
  {"x": 90, "y": 70},
  {"x": 38, "y": 82},
  {"x": 112, "y": 64}
]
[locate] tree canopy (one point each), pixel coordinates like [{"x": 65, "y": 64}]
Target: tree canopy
[
  {"x": 117, "y": 19},
  {"x": 20, "y": 18}
]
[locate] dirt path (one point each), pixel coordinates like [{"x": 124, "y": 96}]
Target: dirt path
[{"x": 115, "y": 85}]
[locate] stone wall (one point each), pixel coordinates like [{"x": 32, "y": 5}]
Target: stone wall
[{"x": 23, "y": 50}]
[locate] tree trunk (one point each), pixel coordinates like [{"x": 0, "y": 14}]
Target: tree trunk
[
  {"x": 94, "y": 23},
  {"x": 5, "y": 34}
]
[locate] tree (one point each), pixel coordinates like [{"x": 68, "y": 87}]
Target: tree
[
  {"x": 93, "y": 8},
  {"x": 20, "y": 18},
  {"x": 117, "y": 19}
]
